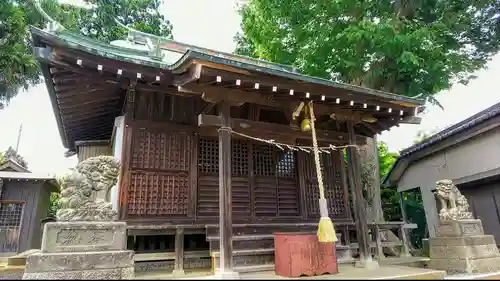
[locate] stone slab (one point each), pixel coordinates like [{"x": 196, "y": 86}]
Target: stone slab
[
  {"x": 460, "y": 228},
  {"x": 98, "y": 274},
  {"x": 59, "y": 237},
  {"x": 466, "y": 266},
  {"x": 462, "y": 241},
  {"x": 55, "y": 262},
  {"x": 464, "y": 252}
]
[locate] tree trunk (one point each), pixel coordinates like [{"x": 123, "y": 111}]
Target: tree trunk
[{"x": 371, "y": 180}]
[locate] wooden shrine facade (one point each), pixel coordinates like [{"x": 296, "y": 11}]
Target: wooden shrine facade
[
  {"x": 173, "y": 170},
  {"x": 183, "y": 110}
]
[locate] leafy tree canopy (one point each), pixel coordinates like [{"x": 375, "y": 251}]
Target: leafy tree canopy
[
  {"x": 386, "y": 159},
  {"x": 408, "y": 47},
  {"x": 18, "y": 68},
  {"x": 10, "y": 153}
]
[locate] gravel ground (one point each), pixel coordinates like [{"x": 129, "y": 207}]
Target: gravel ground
[{"x": 6, "y": 274}]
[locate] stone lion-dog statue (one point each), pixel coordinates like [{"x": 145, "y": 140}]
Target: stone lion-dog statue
[
  {"x": 454, "y": 205},
  {"x": 79, "y": 185}
]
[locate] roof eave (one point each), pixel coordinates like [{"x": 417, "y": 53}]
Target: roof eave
[{"x": 50, "y": 88}]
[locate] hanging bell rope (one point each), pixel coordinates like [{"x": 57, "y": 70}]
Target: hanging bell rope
[{"x": 326, "y": 230}]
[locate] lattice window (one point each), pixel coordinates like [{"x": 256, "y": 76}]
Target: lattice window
[
  {"x": 263, "y": 160},
  {"x": 239, "y": 158},
  {"x": 208, "y": 156},
  {"x": 11, "y": 214},
  {"x": 337, "y": 199},
  {"x": 10, "y": 226},
  {"x": 161, "y": 150},
  {"x": 286, "y": 164},
  {"x": 158, "y": 194}
]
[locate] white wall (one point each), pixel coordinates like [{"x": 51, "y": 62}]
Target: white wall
[
  {"x": 117, "y": 153},
  {"x": 469, "y": 160}
]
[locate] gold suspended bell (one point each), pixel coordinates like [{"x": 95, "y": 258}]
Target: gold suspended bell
[{"x": 305, "y": 125}]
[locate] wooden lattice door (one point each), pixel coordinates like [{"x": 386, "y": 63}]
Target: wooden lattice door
[
  {"x": 208, "y": 179},
  {"x": 160, "y": 174},
  {"x": 276, "y": 192},
  {"x": 334, "y": 184}
]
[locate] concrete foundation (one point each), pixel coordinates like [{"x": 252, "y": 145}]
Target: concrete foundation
[
  {"x": 462, "y": 248},
  {"x": 82, "y": 250}
]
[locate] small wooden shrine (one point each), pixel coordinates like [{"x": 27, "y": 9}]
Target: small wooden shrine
[{"x": 213, "y": 157}]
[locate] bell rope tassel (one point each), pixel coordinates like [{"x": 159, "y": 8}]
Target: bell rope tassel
[{"x": 326, "y": 230}]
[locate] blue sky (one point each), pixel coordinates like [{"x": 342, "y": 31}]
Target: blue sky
[{"x": 212, "y": 24}]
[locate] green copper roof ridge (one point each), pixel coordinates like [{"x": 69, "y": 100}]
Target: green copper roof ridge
[
  {"x": 110, "y": 51},
  {"x": 164, "y": 40},
  {"x": 77, "y": 36}
]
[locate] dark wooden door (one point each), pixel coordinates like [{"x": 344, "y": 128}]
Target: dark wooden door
[{"x": 484, "y": 201}]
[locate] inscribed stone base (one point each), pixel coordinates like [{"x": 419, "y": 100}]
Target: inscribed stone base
[
  {"x": 460, "y": 228},
  {"x": 98, "y": 274},
  {"x": 84, "y": 236},
  {"x": 462, "y": 248},
  {"x": 466, "y": 266},
  {"x": 82, "y": 250}
]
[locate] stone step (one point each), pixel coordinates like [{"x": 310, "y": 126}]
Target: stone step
[
  {"x": 264, "y": 228},
  {"x": 247, "y": 252},
  {"x": 254, "y": 268},
  {"x": 245, "y": 237},
  {"x": 245, "y": 242},
  {"x": 247, "y": 258}
]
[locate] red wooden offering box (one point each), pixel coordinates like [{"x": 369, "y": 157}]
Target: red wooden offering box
[{"x": 298, "y": 254}]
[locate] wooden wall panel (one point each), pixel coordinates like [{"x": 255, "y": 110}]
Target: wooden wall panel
[
  {"x": 87, "y": 151},
  {"x": 208, "y": 196},
  {"x": 167, "y": 108},
  {"x": 160, "y": 173}
]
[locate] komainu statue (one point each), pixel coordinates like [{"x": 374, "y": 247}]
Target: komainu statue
[
  {"x": 454, "y": 205},
  {"x": 80, "y": 184}
]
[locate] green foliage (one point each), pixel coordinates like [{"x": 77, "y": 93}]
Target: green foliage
[
  {"x": 412, "y": 48},
  {"x": 10, "y": 153},
  {"x": 54, "y": 204},
  {"x": 18, "y": 68},
  {"x": 386, "y": 159},
  {"x": 389, "y": 196}
]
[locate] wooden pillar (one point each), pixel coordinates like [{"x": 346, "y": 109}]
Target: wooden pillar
[
  {"x": 179, "y": 252},
  {"x": 354, "y": 177},
  {"x": 402, "y": 205},
  {"x": 225, "y": 202}
]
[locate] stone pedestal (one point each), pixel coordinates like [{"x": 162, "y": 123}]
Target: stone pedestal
[
  {"x": 82, "y": 250},
  {"x": 462, "y": 248}
]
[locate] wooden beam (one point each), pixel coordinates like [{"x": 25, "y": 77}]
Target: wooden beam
[
  {"x": 237, "y": 96},
  {"x": 411, "y": 120},
  {"x": 82, "y": 88},
  {"x": 112, "y": 107},
  {"x": 280, "y": 132},
  {"x": 225, "y": 194},
  {"x": 342, "y": 91},
  {"x": 102, "y": 96},
  {"x": 354, "y": 177},
  {"x": 96, "y": 102},
  {"x": 192, "y": 74},
  {"x": 207, "y": 108}
]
